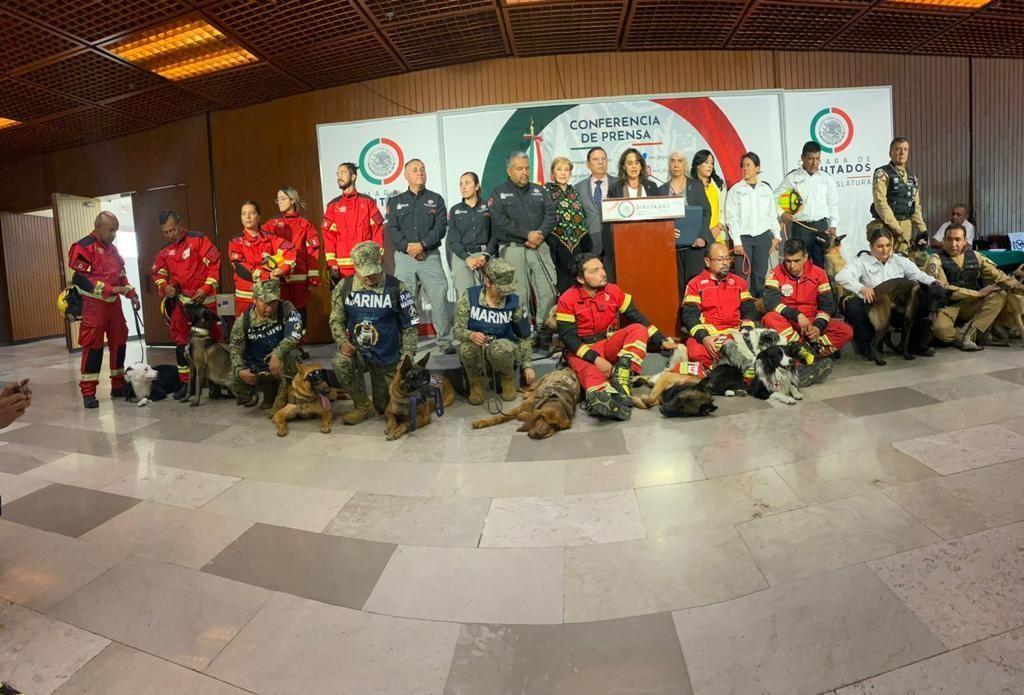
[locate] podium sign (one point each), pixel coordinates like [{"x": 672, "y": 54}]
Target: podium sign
[{"x": 642, "y": 209}]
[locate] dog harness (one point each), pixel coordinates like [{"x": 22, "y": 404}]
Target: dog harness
[{"x": 431, "y": 389}]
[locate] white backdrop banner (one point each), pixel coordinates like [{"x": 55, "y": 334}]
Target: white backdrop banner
[{"x": 853, "y": 127}]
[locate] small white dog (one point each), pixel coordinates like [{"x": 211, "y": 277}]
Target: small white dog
[{"x": 141, "y": 377}]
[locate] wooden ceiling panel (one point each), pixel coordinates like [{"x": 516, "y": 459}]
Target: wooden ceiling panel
[
  {"x": 95, "y": 20},
  {"x": 25, "y": 43},
  {"x": 873, "y": 31},
  {"x": 248, "y": 85},
  {"x": 398, "y": 11},
  {"x": 23, "y": 102},
  {"x": 566, "y": 27},
  {"x": 344, "y": 60},
  {"x": 681, "y": 24},
  {"x": 781, "y": 24},
  {"x": 456, "y": 39},
  {"x": 978, "y": 35},
  {"x": 91, "y": 75},
  {"x": 163, "y": 104}
]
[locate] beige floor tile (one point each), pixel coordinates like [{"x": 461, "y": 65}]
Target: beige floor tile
[
  {"x": 966, "y": 589},
  {"x": 430, "y": 521},
  {"x": 169, "y": 485},
  {"x": 296, "y": 645},
  {"x": 967, "y": 386},
  {"x": 121, "y": 670},
  {"x": 989, "y": 666},
  {"x": 609, "y": 473},
  {"x": 377, "y": 477},
  {"x": 350, "y": 446},
  {"x": 828, "y": 536},
  {"x": 851, "y": 473},
  {"x": 969, "y": 412},
  {"x": 296, "y": 506},
  {"x": 802, "y": 637},
  {"x": 175, "y": 613},
  {"x": 187, "y": 537},
  {"x": 439, "y": 450},
  {"x": 567, "y": 446},
  {"x": 480, "y": 585},
  {"x": 38, "y": 654},
  {"x": 537, "y": 522},
  {"x": 520, "y": 479},
  {"x": 617, "y": 580},
  {"x": 16, "y": 459},
  {"x": 83, "y": 470},
  {"x": 953, "y": 452},
  {"x": 748, "y": 453},
  {"x": 670, "y": 510},
  {"x": 40, "y": 569},
  {"x": 14, "y": 486}
]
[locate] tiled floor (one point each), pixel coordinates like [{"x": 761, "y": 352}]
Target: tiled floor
[{"x": 867, "y": 540}]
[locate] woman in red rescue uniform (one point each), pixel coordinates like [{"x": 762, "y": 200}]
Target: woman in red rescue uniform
[
  {"x": 302, "y": 235},
  {"x": 256, "y": 255}
]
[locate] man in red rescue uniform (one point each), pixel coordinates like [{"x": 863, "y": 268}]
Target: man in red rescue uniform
[
  {"x": 605, "y": 338},
  {"x": 257, "y": 255},
  {"x": 715, "y": 302},
  {"x": 800, "y": 304},
  {"x": 187, "y": 269},
  {"x": 302, "y": 235},
  {"x": 349, "y": 219},
  {"x": 100, "y": 278}
]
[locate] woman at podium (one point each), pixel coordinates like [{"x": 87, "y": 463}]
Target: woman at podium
[
  {"x": 690, "y": 258},
  {"x": 632, "y": 181}
]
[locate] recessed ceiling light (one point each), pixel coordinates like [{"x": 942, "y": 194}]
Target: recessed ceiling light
[
  {"x": 182, "y": 49},
  {"x": 968, "y": 4},
  {"x": 8, "y": 123}
]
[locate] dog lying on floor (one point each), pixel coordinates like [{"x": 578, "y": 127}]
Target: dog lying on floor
[
  {"x": 755, "y": 362},
  {"x": 146, "y": 384},
  {"x": 549, "y": 405},
  {"x": 311, "y": 395},
  {"x": 678, "y": 391},
  {"x": 432, "y": 393}
]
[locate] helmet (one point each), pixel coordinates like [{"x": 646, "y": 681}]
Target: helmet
[
  {"x": 69, "y": 304},
  {"x": 790, "y": 201},
  {"x": 167, "y": 305}
]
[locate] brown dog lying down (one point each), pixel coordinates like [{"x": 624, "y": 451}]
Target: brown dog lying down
[
  {"x": 310, "y": 396},
  {"x": 413, "y": 378},
  {"x": 548, "y": 406},
  {"x": 676, "y": 390}
]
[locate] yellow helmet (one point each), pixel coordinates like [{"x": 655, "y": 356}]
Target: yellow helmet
[{"x": 69, "y": 304}]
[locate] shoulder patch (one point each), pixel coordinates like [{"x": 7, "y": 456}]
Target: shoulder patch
[{"x": 86, "y": 241}]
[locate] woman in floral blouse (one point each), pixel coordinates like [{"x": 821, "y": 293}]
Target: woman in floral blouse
[{"x": 571, "y": 236}]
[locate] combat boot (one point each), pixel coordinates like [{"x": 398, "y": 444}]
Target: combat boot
[
  {"x": 508, "y": 386},
  {"x": 621, "y": 378},
  {"x": 361, "y": 412},
  {"x": 606, "y": 403},
  {"x": 965, "y": 336},
  {"x": 807, "y": 374},
  {"x": 477, "y": 389}
]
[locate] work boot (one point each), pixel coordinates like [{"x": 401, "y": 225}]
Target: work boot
[
  {"x": 182, "y": 392},
  {"x": 807, "y": 374},
  {"x": 622, "y": 376},
  {"x": 90, "y": 402},
  {"x": 965, "y": 336},
  {"x": 117, "y": 392},
  {"x": 508, "y": 386},
  {"x": 358, "y": 415},
  {"x": 605, "y": 403},
  {"x": 477, "y": 389}
]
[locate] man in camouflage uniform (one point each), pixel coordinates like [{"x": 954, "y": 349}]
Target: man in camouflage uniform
[
  {"x": 493, "y": 331},
  {"x": 265, "y": 347},
  {"x": 373, "y": 321}
]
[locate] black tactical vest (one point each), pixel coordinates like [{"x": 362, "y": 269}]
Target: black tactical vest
[
  {"x": 900, "y": 194},
  {"x": 967, "y": 277}
]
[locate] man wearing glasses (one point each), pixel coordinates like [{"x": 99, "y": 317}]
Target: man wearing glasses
[{"x": 715, "y": 302}]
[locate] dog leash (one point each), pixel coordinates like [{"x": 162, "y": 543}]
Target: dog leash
[
  {"x": 435, "y": 390},
  {"x": 138, "y": 331}
]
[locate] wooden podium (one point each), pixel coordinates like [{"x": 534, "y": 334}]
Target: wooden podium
[{"x": 643, "y": 233}]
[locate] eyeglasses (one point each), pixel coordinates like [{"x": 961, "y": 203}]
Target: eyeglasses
[{"x": 720, "y": 259}]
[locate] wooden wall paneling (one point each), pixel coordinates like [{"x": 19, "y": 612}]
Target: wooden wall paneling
[
  {"x": 5, "y": 296},
  {"x": 33, "y": 275},
  {"x": 74, "y": 217},
  {"x": 998, "y": 102}
]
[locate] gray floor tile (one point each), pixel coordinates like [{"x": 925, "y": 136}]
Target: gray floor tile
[
  {"x": 631, "y": 655},
  {"x": 19, "y": 458},
  {"x": 178, "y": 430},
  {"x": 66, "y": 509},
  {"x": 802, "y": 637},
  {"x": 875, "y": 402},
  {"x": 1015, "y": 375},
  {"x": 72, "y": 440},
  {"x": 295, "y": 645},
  {"x": 324, "y": 568},
  {"x": 567, "y": 445}
]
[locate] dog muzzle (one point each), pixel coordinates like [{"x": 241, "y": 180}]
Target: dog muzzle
[{"x": 315, "y": 379}]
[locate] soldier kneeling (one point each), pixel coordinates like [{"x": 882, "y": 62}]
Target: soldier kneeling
[
  {"x": 493, "y": 332},
  {"x": 265, "y": 347}
]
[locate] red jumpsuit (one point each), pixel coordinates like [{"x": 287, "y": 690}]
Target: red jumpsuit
[
  {"x": 712, "y": 307},
  {"x": 98, "y": 269},
  {"x": 587, "y": 324},
  {"x": 788, "y": 297},
  {"x": 305, "y": 274},
  {"x": 349, "y": 219},
  {"x": 190, "y": 264},
  {"x": 254, "y": 258}
]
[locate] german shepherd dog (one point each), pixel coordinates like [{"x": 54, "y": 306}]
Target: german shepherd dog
[
  {"x": 207, "y": 359},
  {"x": 311, "y": 395},
  {"x": 679, "y": 393},
  {"x": 549, "y": 405},
  {"x": 903, "y": 301},
  {"x": 414, "y": 379}
]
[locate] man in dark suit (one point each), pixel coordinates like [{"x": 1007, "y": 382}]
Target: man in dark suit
[{"x": 592, "y": 190}]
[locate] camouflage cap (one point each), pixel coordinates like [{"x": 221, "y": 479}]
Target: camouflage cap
[
  {"x": 267, "y": 291},
  {"x": 366, "y": 257},
  {"x": 501, "y": 273}
]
